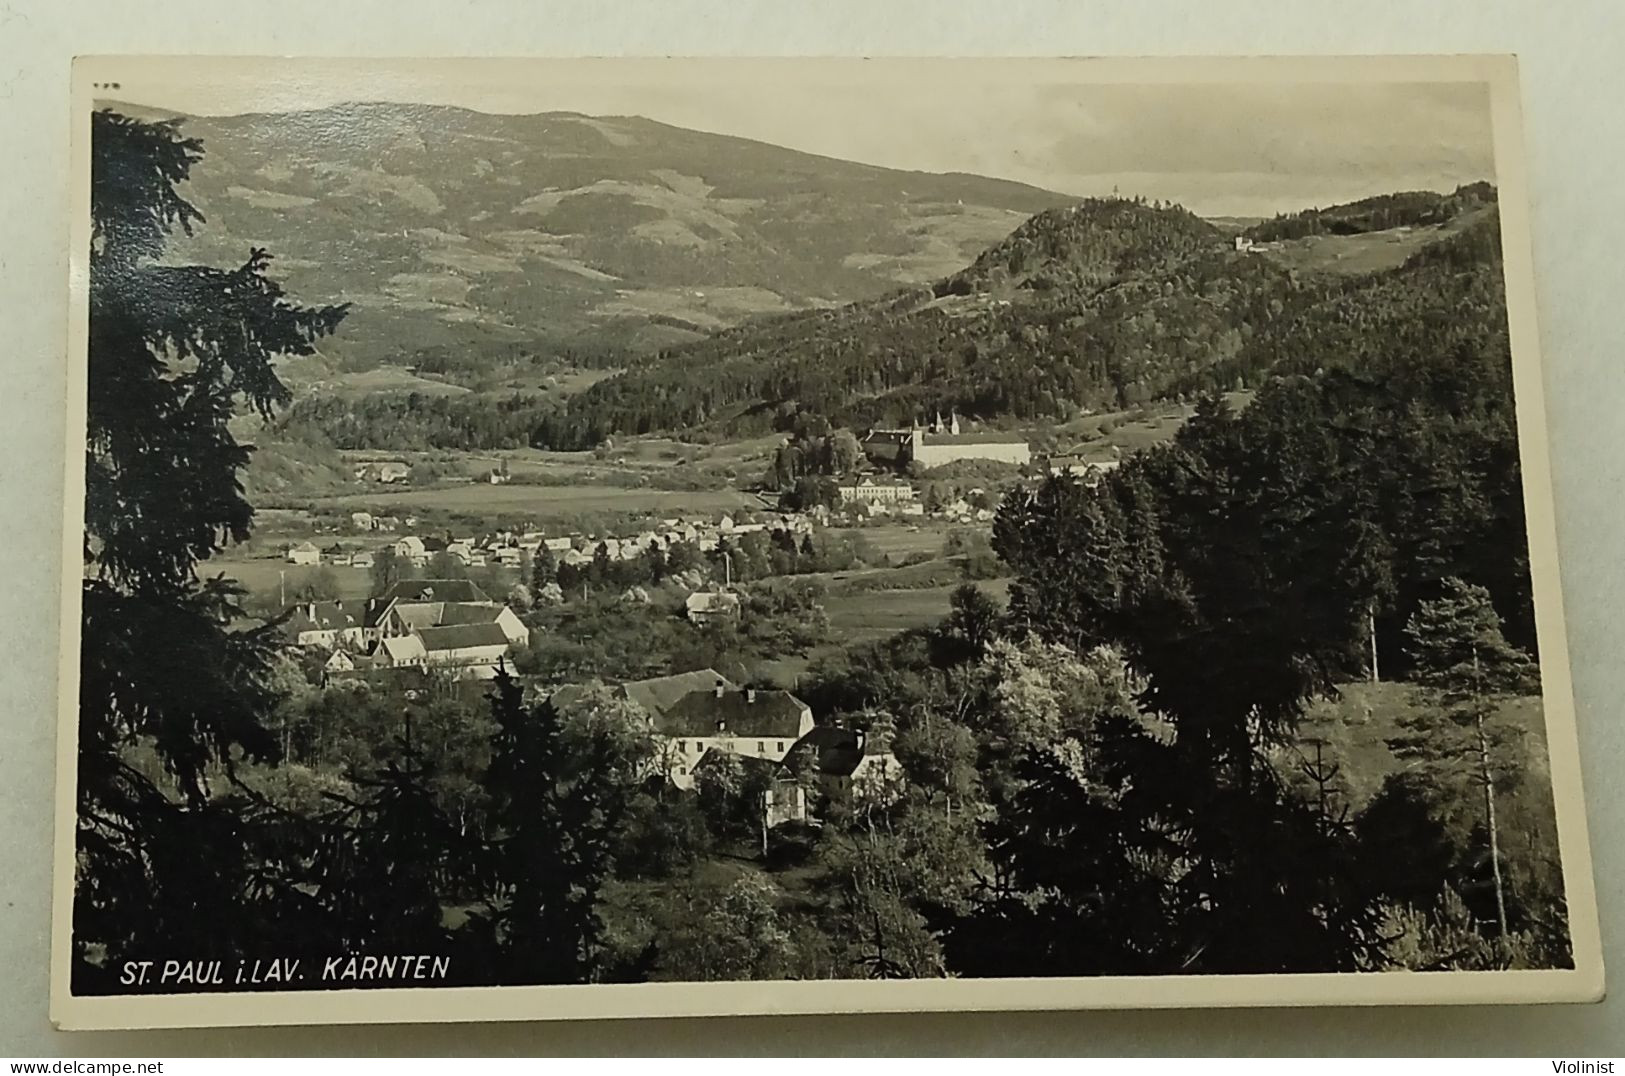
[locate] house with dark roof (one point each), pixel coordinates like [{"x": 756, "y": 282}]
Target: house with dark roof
[
  {"x": 473, "y": 649},
  {"x": 845, "y": 759},
  {"x": 695, "y": 712},
  {"x": 463, "y": 629},
  {"x": 324, "y": 625},
  {"x": 655, "y": 694},
  {"x": 386, "y": 618},
  {"x": 436, "y": 590},
  {"x": 748, "y": 722}
]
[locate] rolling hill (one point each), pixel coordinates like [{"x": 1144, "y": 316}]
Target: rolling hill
[
  {"x": 1098, "y": 306},
  {"x": 466, "y": 238}
]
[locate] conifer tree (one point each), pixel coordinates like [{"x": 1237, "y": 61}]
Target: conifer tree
[
  {"x": 544, "y": 569},
  {"x": 174, "y": 350},
  {"x": 1461, "y": 655},
  {"x": 557, "y": 803}
]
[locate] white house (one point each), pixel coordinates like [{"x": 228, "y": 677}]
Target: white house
[
  {"x": 705, "y": 605},
  {"x": 471, "y": 649},
  {"x": 693, "y": 713},
  {"x": 867, "y": 491},
  {"x": 304, "y": 553}
]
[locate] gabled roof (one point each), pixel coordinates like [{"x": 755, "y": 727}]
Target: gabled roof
[
  {"x": 462, "y": 636},
  {"x": 706, "y": 601},
  {"x": 655, "y": 694},
  {"x": 320, "y": 616},
  {"x": 402, "y": 648},
  {"x": 451, "y": 612},
  {"x": 417, "y": 615},
  {"x": 837, "y": 750},
  {"x": 437, "y": 590},
  {"x": 735, "y": 713}
]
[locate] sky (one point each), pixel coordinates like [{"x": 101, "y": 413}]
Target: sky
[{"x": 1221, "y": 147}]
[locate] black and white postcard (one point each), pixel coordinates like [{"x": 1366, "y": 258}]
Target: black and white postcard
[{"x": 582, "y": 538}]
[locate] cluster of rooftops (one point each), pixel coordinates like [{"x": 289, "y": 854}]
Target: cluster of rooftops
[{"x": 420, "y": 622}]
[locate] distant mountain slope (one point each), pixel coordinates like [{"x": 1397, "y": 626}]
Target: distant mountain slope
[
  {"x": 1099, "y": 306},
  {"x": 1091, "y": 306},
  {"x": 472, "y": 237},
  {"x": 1405, "y": 209}
]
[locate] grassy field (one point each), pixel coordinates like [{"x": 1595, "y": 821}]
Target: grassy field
[
  {"x": 898, "y": 541},
  {"x": 1353, "y": 730},
  {"x": 1090, "y": 436},
  {"x": 264, "y": 576},
  {"x": 1368, "y": 253},
  {"x": 880, "y": 613},
  {"x": 543, "y": 502}
]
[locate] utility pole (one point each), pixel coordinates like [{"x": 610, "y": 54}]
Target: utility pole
[
  {"x": 728, "y": 567},
  {"x": 282, "y": 587},
  {"x": 1488, "y": 777},
  {"x": 1372, "y": 614}
]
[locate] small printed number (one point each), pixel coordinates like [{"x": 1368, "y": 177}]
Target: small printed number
[{"x": 105, "y": 85}]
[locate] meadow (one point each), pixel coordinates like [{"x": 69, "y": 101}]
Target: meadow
[{"x": 545, "y": 502}]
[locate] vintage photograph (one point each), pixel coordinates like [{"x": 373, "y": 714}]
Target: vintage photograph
[{"x": 593, "y": 523}]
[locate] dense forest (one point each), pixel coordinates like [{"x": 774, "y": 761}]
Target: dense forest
[
  {"x": 419, "y": 421},
  {"x": 1448, "y": 297}
]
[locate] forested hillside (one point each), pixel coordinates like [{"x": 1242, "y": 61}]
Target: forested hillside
[
  {"x": 1105, "y": 305},
  {"x": 1092, "y": 306},
  {"x": 1447, "y": 299},
  {"x": 1100, "y": 306}
]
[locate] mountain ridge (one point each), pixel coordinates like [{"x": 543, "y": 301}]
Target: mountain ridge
[{"x": 508, "y": 237}]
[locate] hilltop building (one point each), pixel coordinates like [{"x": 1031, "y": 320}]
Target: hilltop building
[{"x": 942, "y": 443}]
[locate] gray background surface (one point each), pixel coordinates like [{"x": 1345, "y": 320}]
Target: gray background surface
[{"x": 1570, "y": 53}]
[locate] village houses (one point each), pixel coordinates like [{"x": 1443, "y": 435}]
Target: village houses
[{"x": 421, "y": 623}]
